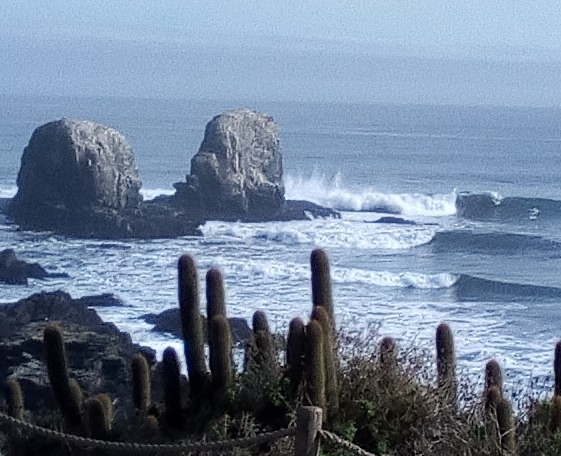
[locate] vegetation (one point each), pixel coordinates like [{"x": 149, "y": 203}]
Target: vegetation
[{"x": 387, "y": 399}]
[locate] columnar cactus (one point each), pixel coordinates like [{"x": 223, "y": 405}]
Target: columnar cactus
[
  {"x": 505, "y": 420},
  {"x": 14, "y": 398},
  {"x": 215, "y": 300},
  {"x": 172, "y": 388},
  {"x": 555, "y": 414},
  {"x": 557, "y": 368},
  {"x": 315, "y": 364},
  {"x": 191, "y": 323},
  {"x": 220, "y": 352},
  {"x": 321, "y": 283},
  {"x": 295, "y": 353},
  {"x": 492, "y": 398},
  {"x": 141, "y": 383},
  {"x": 493, "y": 376},
  {"x": 58, "y": 376},
  {"x": 263, "y": 345},
  {"x": 446, "y": 360},
  {"x": 320, "y": 315},
  {"x": 96, "y": 421},
  {"x": 388, "y": 354}
]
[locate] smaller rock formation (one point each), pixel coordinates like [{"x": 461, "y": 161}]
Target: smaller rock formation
[
  {"x": 99, "y": 355},
  {"x": 17, "y": 272},
  {"x": 170, "y": 321}
]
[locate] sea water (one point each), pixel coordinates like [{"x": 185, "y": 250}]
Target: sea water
[{"x": 481, "y": 185}]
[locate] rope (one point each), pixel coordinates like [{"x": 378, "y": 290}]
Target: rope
[
  {"x": 204, "y": 447},
  {"x": 338, "y": 441}
]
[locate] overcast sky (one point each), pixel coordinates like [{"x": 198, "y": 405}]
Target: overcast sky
[{"x": 423, "y": 51}]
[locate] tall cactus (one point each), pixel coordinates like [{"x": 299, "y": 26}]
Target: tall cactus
[
  {"x": 315, "y": 364},
  {"x": 388, "y": 354},
  {"x": 557, "y": 368},
  {"x": 58, "y": 376},
  {"x": 493, "y": 376},
  {"x": 220, "y": 353},
  {"x": 141, "y": 384},
  {"x": 555, "y": 414},
  {"x": 320, "y": 315},
  {"x": 191, "y": 323},
  {"x": 14, "y": 398},
  {"x": 446, "y": 361},
  {"x": 321, "y": 283},
  {"x": 215, "y": 295},
  {"x": 295, "y": 353},
  {"x": 172, "y": 388}
]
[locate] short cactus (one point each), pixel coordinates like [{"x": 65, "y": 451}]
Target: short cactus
[
  {"x": 388, "y": 354},
  {"x": 492, "y": 398},
  {"x": 220, "y": 353},
  {"x": 555, "y": 414},
  {"x": 141, "y": 383},
  {"x": 315, "y": 364},
  {"x": 446, "y": 360},
  {"x": 14, "y": 398},
  {"x": 493, "y": 376},
  {"x": 108, "y": 408},
  {"x": 172, "y": 387},
  {"x": 505, "y": 420},
  {"x": 321, "y": 283},
  {"x": 96, "y": 421},
  {"x": 295, "y": 353},
  {"x": 191, "y": 323},
  {"x": 58, "y": 376},
  {"x": 260, "y": 322}
]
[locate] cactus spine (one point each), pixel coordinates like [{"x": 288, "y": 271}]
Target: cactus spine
[
  {"x": 141, "y": 383},
  {"x": 191, "y": 323},
  {"x": 14, "y": 398},
  {"x": 58, "y": 377},
  {"x": 220, "y": 348},
  {"x": 446, "y": 361},
  {"x": 315, "y": 364},
  {"x": 321, "y": 283},
  {"x": 172, "y": 387},
  {"x": 320, "y": 315},
  {"x": 295, "y": 353}
]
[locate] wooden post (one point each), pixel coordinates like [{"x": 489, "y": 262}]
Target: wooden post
[{"x": 308, "y": 425}]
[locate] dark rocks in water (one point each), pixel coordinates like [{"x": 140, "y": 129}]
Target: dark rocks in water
[
  {"x": 18, "y": 272},
  {"x": 170, "y": 321},
  {"x": 102, "y": 300},
  {"x": 394, "y": 220},
  {"x": 99, "y": 355}
]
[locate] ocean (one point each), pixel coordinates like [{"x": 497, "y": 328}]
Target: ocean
[{"x": 480, "y": 183}]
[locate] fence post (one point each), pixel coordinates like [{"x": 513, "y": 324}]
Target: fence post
[{"x": 308, "y": 425}]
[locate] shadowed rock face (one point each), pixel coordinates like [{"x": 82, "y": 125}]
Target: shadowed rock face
[
  {"x": 238, "y": 169},
  {"x": 77, "y": 164},
  {"x": 17, "y": 272}
]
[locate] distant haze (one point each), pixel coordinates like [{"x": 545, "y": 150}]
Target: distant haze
[{"x": 475, "y": 52}]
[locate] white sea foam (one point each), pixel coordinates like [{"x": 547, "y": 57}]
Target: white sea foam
[
  {"x": 8, "y": 191},
  {"x": 326, "y": 233},
  {"x": 151, "y": 193},
  {"x": 334, "y": 194}
]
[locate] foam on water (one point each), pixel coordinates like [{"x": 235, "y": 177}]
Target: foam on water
[
  {"x": 151, "y": 193},
  {"x": 334, "y": 194},
  {"x": 8, "y": 191},
  {"x": 327, "y": 233}
]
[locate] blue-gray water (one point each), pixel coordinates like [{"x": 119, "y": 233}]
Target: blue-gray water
[{"x": 491, "y": 270}]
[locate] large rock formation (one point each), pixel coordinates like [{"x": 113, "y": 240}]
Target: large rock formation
[
  {"x": 80, "y": 178},
  {"x": 77, "y": 164},
  {"x": 238, "y": 169}
]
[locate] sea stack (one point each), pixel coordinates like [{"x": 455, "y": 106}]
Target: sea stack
[{"x": 237, "y": 171}]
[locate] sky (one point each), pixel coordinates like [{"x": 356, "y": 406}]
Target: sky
[{"x": 399, "y": 51}]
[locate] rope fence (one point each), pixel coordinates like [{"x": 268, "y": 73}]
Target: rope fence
[{"x": 307, "y": 434}]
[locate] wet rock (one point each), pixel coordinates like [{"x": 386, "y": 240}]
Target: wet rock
[{"x": 17, "y": 272}]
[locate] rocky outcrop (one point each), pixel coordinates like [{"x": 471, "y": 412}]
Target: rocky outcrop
[
  {"x": 238, "y": 168},
  {"x": 169, "y": 321},
  {"x": 17, "y": 272},
  {"x": 99, "y": 355},
  {"x": 80, "y": 178}
]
